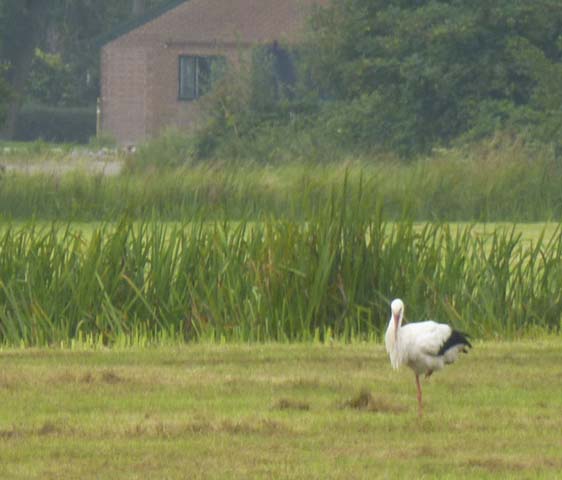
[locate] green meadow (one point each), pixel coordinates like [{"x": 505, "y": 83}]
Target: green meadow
[
  {"x": 211, "y": 304},
  {"x": 231, "y": 251},
  {"x": 489, "y": 183},
  {"x": 225, "y": 321},
  {"x": 300, "y": 411}
]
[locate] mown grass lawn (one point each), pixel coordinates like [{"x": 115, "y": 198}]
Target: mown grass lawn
[{"x": 278, "y": 411}]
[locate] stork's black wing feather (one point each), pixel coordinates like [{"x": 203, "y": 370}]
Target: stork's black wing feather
[{"x": 456, "y": 338}]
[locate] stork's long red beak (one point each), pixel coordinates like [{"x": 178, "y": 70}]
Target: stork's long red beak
[{"x": 396, "y": 325}]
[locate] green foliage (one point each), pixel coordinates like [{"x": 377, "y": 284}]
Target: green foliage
[
  {"x": 273, "y": 280},
  {"x": 500, "y": 180},
  {"x": 171, "y": 149},
  {"x": 68, "y": 30},
  {"x": 80, "y": 25},
  {"x": 5, "y": 95},
  {"x": 272, "y": 78},
  {"x": 404, "y": 77},
  {"x": 226, "y": 110},
  {"x": 52, "y": 81},
  {"x": 428, "y": 72},
  {"x": 278, "y": 411},
  {"x": 54, "y": 124},
  {"x": 102, "y": 141},
  {"x": 257, "y": 108}
]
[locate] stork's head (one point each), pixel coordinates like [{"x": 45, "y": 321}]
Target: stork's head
[{"x": 397, "y": 308}]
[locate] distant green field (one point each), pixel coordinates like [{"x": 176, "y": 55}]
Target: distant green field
[
  {"x": 529, "y": 231},
  {"x": 278, "y": 412}
]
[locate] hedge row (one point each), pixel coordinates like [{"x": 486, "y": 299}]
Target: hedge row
[{"x": 74, "y": 125}]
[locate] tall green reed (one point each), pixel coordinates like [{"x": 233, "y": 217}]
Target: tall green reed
[{"x": 331, "y": 276}]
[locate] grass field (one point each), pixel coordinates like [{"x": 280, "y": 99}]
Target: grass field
[
  {"x": 192, "y": 258},
  {"x": 488, "y": 184},
  {"x": 278, "y": 411}
]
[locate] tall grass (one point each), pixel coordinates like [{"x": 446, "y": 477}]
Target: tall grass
[
  {"x": 512, "y": 183},
  {"x": 282, "y": 280}
]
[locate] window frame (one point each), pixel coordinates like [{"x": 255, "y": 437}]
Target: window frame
[{"x": 183, "y": 76}]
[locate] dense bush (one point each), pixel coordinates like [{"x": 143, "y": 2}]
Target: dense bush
[
  {"x": 256, "y": 109},
  {"x": 430, "y": 71},
  {"x": 400, "y": 76},
  {"x": 5, "y": 93},
  {"x": 170, "y": 150},
  {"x": 52, "y": 81},
  {"x": 76, "y": 125}
]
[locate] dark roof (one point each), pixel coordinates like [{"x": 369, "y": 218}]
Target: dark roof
[{"x": 136, "y": 22}]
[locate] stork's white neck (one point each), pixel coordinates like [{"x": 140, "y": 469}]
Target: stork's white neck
[{"x": 392, "y": 342}]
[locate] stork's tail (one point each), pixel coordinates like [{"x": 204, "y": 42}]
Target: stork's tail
[{"x": 456, "y": 338}]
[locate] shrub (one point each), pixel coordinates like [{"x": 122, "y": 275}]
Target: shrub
[
  {"x": 74, "y": 125},
  {"x": 5, "y": 95},
  {"x": 169, "y": 150}
]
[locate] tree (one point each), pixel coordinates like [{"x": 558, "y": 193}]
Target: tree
[
  {"x": 22, "y": 25},
  {"x": 72, "y": 28},
  {"x": 5, "y": 93},
  {"x": 407, "y": 75}
]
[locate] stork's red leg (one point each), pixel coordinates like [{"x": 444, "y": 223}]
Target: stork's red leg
[{"x": 420, "y": 411}]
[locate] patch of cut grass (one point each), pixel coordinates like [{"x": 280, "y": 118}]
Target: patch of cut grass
[
  {"x": 366, "y": 401},
  {"x": 275, "y": 411},
  {"x": 291, "y": 404}
]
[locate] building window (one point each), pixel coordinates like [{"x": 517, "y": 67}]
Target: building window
[{"x": 198, "y": 74}]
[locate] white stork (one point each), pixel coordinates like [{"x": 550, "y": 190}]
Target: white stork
[{"x": 424, "y": 346}]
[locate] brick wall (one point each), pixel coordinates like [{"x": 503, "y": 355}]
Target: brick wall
[
  {"x": 124, "y": 93},
  {"x": 140, "y": 68}
]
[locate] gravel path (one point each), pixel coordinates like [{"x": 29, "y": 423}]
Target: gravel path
[{"x": 109, "y": 168}]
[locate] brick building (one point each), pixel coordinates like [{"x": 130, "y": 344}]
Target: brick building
[{"x": 154, "y": 70}]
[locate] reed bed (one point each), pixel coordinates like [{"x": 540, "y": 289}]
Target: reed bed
[
  {"x": 273, "y": 280},
  {"x": 510, "y": 183}
]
